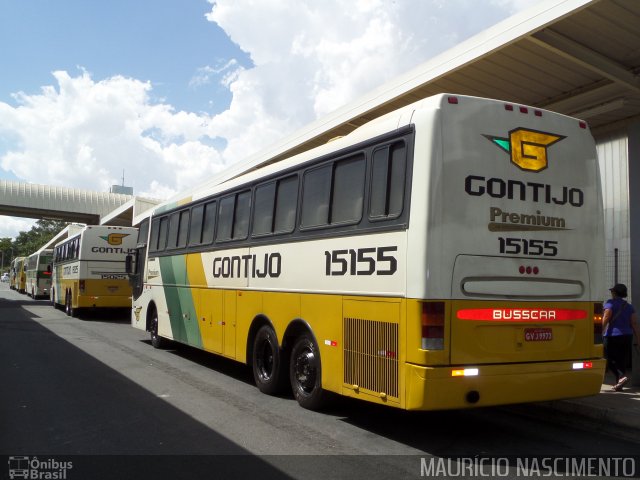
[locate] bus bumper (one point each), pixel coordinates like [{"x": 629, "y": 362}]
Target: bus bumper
[
  {"x": 104, "y": 301},
  {"x": 434, "y": 388}
]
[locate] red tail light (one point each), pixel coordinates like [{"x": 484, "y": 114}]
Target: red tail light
[
  {"x": 597, "y": 323},
  {"x": 433, "y": 325},
  {"x": 81, "y": 286}
]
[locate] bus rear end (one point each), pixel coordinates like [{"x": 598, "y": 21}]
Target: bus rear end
[{"x": 508, "y": 298}]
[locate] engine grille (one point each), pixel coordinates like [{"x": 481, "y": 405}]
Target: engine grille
[{"x": 371, "y": 355}]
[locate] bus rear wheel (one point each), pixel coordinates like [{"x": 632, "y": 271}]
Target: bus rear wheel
[
  {"x": 269, "y": 372},
  {"x": 305, "y": 373}
]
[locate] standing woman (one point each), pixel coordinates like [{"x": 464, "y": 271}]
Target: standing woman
[{"x": 620, "y": 329}]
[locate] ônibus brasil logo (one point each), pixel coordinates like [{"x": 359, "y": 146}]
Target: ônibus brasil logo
[
  {"x": 527, "y": 148},
  {"x": 115, "y": 238}
]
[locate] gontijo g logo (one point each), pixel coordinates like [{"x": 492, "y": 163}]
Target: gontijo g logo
[
  {"x": 115, "y": 238},
  {"x": 528, "y": 148}
]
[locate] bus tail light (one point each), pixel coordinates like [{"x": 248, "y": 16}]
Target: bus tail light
[
  {"x": 81, "y": 286},
  {"x": 433, "y": 326},
  {"x": 597, "y": 323}
]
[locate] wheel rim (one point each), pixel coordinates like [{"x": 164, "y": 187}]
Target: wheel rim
[
  {"x": 264, "y": 360},
  {"x": 154, "y": 328},
  {"x": 306, "y": 370}
]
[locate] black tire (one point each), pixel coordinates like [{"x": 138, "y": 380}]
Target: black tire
[
  {"x": 68, "y": 306},
  {"x": 156, "y": 340},
  {"x": 305, "y": 373},
  {"x": 269, "y": 367}
]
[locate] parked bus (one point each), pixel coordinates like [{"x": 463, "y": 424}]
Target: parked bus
[
  {"x": 445, "y": 255},
  {"x": 13, "y": 273},
  {"x": 38, "y": 273},
  {"x": 18, "y": 279},
  {"x": 89, "y": 269}
]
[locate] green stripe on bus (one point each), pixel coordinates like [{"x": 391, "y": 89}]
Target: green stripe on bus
[{"x": 182, "y": 314}]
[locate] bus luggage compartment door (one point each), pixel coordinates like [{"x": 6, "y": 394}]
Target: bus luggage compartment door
[{"x": 519, "y": 310}]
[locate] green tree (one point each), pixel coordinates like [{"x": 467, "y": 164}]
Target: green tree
[
  {"x": 6, "y": 246},
  {"x": 28, "y": 242}
]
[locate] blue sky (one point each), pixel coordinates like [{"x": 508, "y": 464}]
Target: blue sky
[{"x": 173, "y": 91}]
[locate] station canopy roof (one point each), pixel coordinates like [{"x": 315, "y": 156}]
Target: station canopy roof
[{"x": 576, "y": 57}]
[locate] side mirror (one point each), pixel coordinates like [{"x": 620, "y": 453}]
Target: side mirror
[{"x": 128, "y": 264}]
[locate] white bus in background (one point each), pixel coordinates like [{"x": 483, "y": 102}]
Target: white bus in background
[
  {"x": 38, "y": 268},
  {"x": 445, "y": 255},
  {"x": 89, "y": 269}
]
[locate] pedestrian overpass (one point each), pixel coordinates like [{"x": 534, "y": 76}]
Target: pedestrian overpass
[{"x": 32, "y": 200}]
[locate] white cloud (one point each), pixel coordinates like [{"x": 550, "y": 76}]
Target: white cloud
[
  {"x": 84, "y": 133},
  {"x": 309, "y": 59},
  {"x": 10, "y": 227}
]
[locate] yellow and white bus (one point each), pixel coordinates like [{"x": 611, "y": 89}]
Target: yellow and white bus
[
  {"x": 89, "y": 269},
  {"x": 445, "y": 255},
  {"x": 38, "y": 272},
  {"x": 18, "y": 278}
]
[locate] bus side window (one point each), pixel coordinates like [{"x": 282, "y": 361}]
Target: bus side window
[
  {"x": 348, "y": 190},
  {"x": 209, "y": 223},
  {"x": 275, "y": 207},
  {"x": 178, "y": 229},
  {"x": 241, "y": 215},
  {"x": 195, "y": 227},
  {"x": 388, "y": 182},
  {"x": 286, "y": 205},
  {"x": 315, "y": 197},
  {"x": 162, "y": 236},
  {"x": 155, "y": 232},
  {"x": 263, "y": 209},
  {"x": 143, "y": 231},
  {"x": 233, "y": 217},
  {"x": 183, "y": 229},
  {"x": 225, "y": 218}
]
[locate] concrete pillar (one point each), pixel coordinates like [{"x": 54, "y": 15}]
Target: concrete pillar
[{"x": 634, "y": 231}]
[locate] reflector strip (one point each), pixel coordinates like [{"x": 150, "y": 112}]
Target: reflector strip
[
  {"x": 331, "y": 343},
  {"x": 520, "y": 314},
  {"x": 466, "y": 372}
]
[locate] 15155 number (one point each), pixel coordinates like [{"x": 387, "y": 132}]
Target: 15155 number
[
  {"x": 361, "y": 261},
  {"x": 522, "y": 246}
]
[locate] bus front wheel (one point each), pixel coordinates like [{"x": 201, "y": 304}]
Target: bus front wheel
[
  {"x": 68, "y": 306},
  {"x": 269, "y": 372},
  {"x": 156, "y": 340},
  {"x": 305, "y": 373}
]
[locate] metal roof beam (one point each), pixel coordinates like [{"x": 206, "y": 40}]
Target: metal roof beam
[{"x": 590, "y": 59}]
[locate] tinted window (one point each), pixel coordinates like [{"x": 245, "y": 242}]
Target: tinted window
[
  {"x": 348, "y": 190},
  {"x": 388, "y": 181},
  {"x": 162, "y": 236},
  {"x": 225, "y": 218},
  {"x": 195, "y": 228},
  {"x": 316, "y": 192},
  {"x": 183, "y": 229},
  {"x": 174, "y": 224},
  {"x": 155, "y": 232},
  {"x": 286, "y": 205},
  {"x": 143, "y": 231},
  {"x": 209, "y": 225},
  {"x": 241, "y": 215},
  {"x": 263, "y": 209}
]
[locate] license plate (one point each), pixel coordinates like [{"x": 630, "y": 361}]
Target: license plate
[{"x": 537, "y": 334}]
